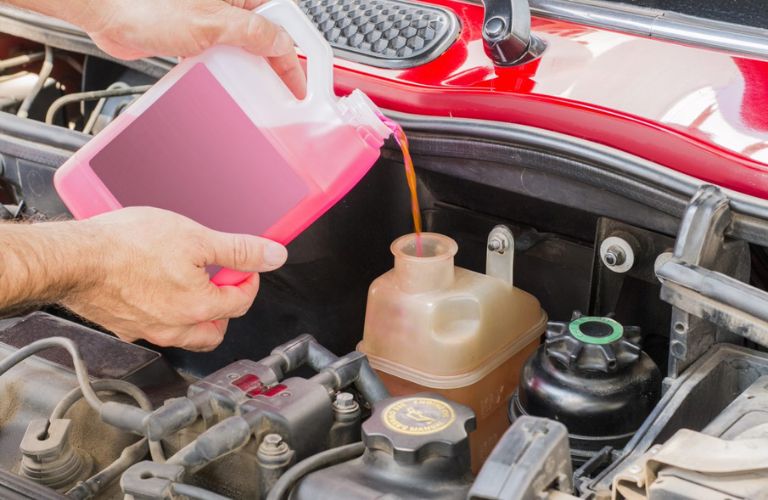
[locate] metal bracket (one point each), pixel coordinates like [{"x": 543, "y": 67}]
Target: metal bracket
[
  {"x": 717, "y": 298},
  {"x": 701, "y": 243},
  {"x": 500, "y": 254},
  {"x": 624, "y": 282},
  {"x": 623, "y": 252}
]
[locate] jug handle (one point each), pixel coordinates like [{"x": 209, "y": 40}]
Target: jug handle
[
  {"x": 318, "y": 51},
  {"x": 287, "y": 14}
]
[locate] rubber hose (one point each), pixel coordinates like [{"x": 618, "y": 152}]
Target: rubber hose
[
  {"x": 292, "y": 476},
  {"x": 121, "y": 386}
]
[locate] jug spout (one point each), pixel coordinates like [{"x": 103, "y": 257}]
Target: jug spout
[
  {"x": 424, "y": 262},
  {"x": 359, "y": 110}
]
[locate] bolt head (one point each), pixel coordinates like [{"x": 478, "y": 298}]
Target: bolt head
[
  {"x": 345, "y": 404},
  {"x": 497, "y": 244},
  {"x": 678, "y": 349},
  {"x": 272, "y": 440},
  {"x": 617, "y": 254},
  {"x": 273, "y": 445},
  {"x": 344, "y": 401},
  {"x": 614, "y": 256}
]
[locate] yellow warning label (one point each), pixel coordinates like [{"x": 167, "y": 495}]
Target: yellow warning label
[{"x": 418, "y": 416}]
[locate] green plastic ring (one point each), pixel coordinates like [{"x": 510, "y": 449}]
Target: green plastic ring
[{"x": 617, "y": 331}]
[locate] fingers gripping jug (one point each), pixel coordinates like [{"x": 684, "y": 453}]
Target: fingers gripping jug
[{"x": 222, "y": 140}]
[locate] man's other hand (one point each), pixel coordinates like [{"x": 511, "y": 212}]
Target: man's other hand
[
  {"x": 151, "y": 281},
  {"x": 141, "y": 28}
]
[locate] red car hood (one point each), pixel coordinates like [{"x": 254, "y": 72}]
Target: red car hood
[{"x": 697, "y": 111}]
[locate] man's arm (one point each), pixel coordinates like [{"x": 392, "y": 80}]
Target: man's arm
[
  {"x": 139, "y": 272},
  {"x": 43, "y": 263},
  {"x": 130, "y": 29}
]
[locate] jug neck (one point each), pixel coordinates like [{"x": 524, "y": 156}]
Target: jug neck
[
  {"x": 424, "y": 263},
  {"x": 358, "y": 109}
]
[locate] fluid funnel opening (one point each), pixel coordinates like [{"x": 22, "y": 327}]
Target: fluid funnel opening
[
  {"x": 424, "y": 262},
  {"x": 427, "y": 246}
]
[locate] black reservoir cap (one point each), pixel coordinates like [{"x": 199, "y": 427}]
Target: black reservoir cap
[
  {"x": 413, "y": 428},
  {"x": 593, "y": 343}
]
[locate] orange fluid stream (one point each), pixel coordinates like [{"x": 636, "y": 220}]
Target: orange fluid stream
[{"x": 410, "y": 175}]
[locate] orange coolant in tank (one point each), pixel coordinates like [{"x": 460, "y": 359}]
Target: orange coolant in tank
[{"x": 432, "y": 326}]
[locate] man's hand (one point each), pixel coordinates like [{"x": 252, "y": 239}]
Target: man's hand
[
  {"x": 139, "y": 272},
  {"x": 153, "y": 283},
  {"x": 140, "y": 28}
]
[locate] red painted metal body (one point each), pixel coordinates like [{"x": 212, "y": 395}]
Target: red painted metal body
[{"x": 697, "y": 111}]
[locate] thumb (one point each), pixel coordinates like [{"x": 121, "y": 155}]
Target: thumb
[
  {"x": 246, "y": 4},
  {"x": 243, "y": 252},
  {"x": 243, "y": 28}
]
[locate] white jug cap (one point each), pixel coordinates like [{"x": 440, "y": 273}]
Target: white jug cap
[{"x": 361, "y": 109}]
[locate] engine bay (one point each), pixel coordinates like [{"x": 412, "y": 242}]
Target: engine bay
[{"x": 584, "y": 324}]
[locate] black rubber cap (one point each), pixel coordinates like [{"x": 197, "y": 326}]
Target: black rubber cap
[{"x": 593, "y": 343}]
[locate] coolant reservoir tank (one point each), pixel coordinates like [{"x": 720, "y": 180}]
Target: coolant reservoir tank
[{"x": 433, "y": 326}]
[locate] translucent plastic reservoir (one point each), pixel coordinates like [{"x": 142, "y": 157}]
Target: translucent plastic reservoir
[{"x": 433, "y": 326}]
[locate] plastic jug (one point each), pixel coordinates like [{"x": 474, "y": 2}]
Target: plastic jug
[
  {"x": 432, "y": 326},
  {"x": 223, "y": 141}
]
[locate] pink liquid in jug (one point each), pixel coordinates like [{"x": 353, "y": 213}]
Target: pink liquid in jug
[{"x": 206, "y": 159}]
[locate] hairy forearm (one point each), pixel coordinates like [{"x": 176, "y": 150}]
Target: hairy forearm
[
  {"x": 139, "y": 272},
  {"x": 44, "y": 263},
  {"x": 79, "y": 12}
]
